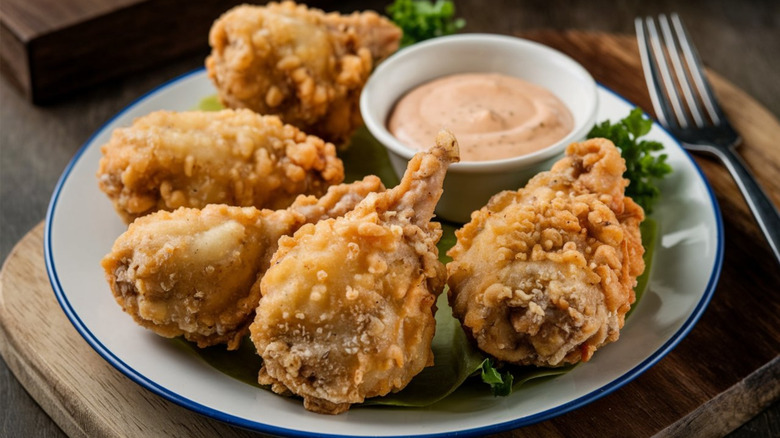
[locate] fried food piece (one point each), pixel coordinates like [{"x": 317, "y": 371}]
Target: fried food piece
[
  {"x": 194, "y": 273},
  {"x": 347, "y": 307},
  {"x": 545, "y": 275},
  {"x": 167, "y": 160},
  {"x": 302, "y": 64}
]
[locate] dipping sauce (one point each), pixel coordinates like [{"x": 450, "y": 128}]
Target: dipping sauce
[{"x": 493, "y": 116}]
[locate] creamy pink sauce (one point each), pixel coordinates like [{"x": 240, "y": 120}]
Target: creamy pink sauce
[{"x": 493, "y": 116}]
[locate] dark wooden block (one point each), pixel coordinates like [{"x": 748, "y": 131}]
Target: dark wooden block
[{"x": 51, "y": 48}]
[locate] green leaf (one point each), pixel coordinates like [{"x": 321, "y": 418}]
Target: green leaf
[
  {"x": 242, "y": 364},
  {"x": 500, "y": 384},
  {"x": 636, "y": 124},
  {"x": 643, "y": 169},
  {"x": 447, "y": 241},
  {"x": 421, "y": 20},
  {"x": 649, "y": 230},
  {"x": 369, "y": 157},
  {"x": 210, "y": 103}
]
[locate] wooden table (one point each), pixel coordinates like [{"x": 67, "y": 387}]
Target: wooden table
[{"x": 738, "y": 41}]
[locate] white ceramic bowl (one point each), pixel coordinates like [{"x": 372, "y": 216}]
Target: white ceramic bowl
[{"x": 469, "y": 185}]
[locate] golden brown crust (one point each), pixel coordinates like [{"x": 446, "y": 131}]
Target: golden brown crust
[
  {"x": 338, "y": 200},
  {"x": 302, "y": 64},
  {"x": 192, "y": 272},
  {"x": 545, "y": 275},
  {"x": 167, "y": 160},
  {"x": 347, "y": 310},
  {"x": 195, "y": 272}
]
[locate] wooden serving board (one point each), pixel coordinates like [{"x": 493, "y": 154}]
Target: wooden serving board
[{"x": 722, "y": 374}]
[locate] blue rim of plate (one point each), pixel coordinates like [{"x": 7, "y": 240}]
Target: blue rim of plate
[{"x": 275, "y": 430}]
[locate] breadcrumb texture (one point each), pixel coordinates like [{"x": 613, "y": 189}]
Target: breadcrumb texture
[
  {"x": 347, "y": 307},
  {"x": 303, "y": 64},
  {"x": 167, "y": 160},
  {"x": 195, "y": 272},
  {"x": 192, "y": 272},
  {"x": 545, "y": 275}
]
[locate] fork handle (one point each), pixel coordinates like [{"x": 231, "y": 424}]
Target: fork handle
[{"x": 763, "y": 210}]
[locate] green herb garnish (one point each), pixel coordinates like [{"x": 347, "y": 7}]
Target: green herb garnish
[
  {"x": 210, "y": 103},
  {"x": 642, "y": 168},
  {"x": 421, "y": 19},
  {"x": 500, "y": 384}
]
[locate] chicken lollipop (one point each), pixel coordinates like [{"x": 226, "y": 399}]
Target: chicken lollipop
[
  {"x": 167, "y": 160},
  {"x": 545, "y": 275},
  {"x": 302, "y": 64},
  {"x": 347, "y": 307},
  {"x": 195, "y": 272}
]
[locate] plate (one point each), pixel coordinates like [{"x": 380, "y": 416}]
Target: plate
[{"x": 81, "y": 227}]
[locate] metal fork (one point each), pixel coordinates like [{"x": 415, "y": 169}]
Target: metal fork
[{"x": 700, "y": 124}]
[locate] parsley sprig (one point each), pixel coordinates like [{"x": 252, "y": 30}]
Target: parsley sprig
[
  {"x": 421, "y": 19},
  {"x": 643, "y": 168},
  {"x": 500, "y": 384}
]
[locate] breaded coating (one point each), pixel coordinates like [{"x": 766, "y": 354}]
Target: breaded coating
[
  {"x": 195, "y": 272},
  {"x": 347, "y": 307},
  {"x": 302, "y": 64},
  {"x": 545, "y": 275},
  {"x": 167, "y": 160}
]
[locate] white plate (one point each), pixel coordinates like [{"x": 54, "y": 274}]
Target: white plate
[{"x": 81, "y": 226}]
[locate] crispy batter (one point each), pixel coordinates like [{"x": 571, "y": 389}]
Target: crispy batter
[
  {"x": 545, "y": 275},
  {"x": 302, "y": 64},
  {"x": 347, "y": 308},
  {"x": 167, "y": 160},
  {"x": 194, "y": 273}
]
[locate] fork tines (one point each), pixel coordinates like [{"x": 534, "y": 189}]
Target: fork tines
[{"x": 687, "y": 68}]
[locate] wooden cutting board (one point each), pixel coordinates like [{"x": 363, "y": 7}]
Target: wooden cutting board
[{"x": 722, "y": 374}]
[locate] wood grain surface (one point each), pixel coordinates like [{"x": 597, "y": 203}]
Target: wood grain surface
[
  {"x": 53, "y": 48},
  {"x": 723, "y": 373},
  {"x": 77, "y": 388}
]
